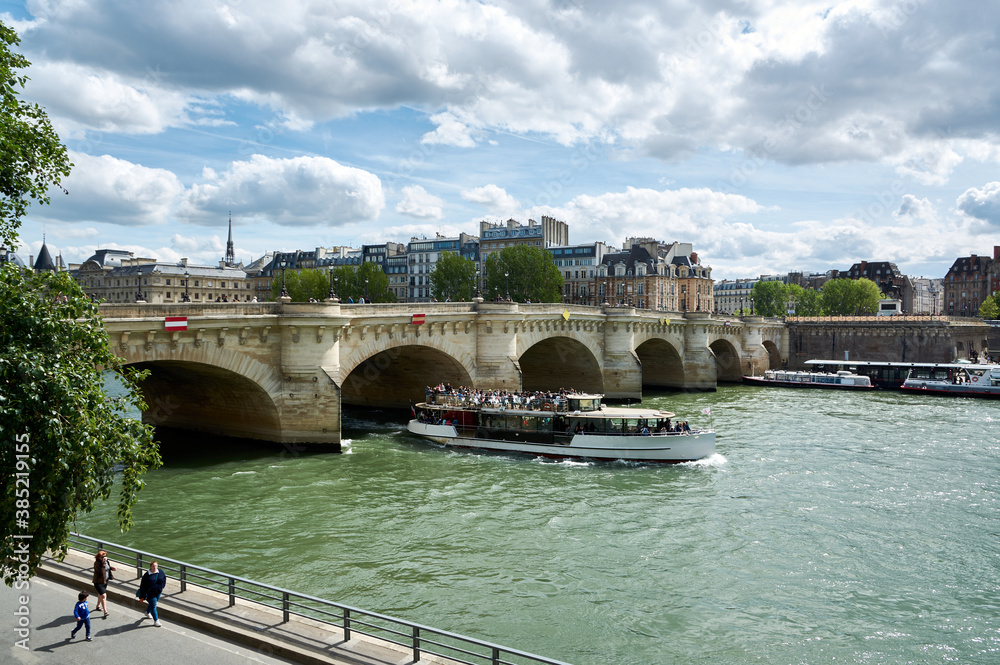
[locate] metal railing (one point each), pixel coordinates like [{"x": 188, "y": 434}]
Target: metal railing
[{"x": 419, "y": 639}]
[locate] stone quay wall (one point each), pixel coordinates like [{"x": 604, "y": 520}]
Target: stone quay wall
[{"x": 923, "y": 339}]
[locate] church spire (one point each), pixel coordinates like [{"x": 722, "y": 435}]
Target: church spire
[{"x": 230, "y": 249}]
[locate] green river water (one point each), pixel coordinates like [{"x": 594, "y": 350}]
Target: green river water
[{"x": 830, "y": 527}]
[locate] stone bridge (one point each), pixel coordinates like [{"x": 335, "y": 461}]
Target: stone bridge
[{"x": 280, "y": 371}]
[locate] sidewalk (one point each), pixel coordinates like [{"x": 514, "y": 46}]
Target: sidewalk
[
  {"x": 124, "y": 637},
  {"x": 198, "y": 626}
]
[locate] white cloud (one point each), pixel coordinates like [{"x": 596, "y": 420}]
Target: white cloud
[
  {"x": 668, "y": 77},
  {"x": 684, "y": 215},
  {"x": 982, "y": 202},
  {"x": 493, "y": 198},
  {"x": 449, "y": 132},
  {"x": 916, "y": 209},
  {"x": 80, "y": 98},
  {"x": 418, "y": 202},
  {"x": 115, "y": 191},
  {"x": 301, "y": 191}
]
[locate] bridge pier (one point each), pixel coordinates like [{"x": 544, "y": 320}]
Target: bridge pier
[{"x": 622, "y": 367}]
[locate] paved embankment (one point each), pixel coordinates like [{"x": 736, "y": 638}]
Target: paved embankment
[{"x": 198, "y": 627}]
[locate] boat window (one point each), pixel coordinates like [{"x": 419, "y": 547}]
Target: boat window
[
  {"x": 584, "y": 404},
  {"x": 513, "y": 423},
  {"x": 544, "y": 424}
]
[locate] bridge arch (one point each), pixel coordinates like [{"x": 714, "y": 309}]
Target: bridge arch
[
  {"x": 204, "y": 397},
  {"x": 728, "y": 364},
  {"x": 773, "y": 355},
  {"x": 560, "y": 362},
  {"x": 397, "y": 376},
  {"x": 662, "y": 365}
]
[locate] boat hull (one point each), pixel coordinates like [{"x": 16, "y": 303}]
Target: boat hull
[
  {"x": 669, "y": 448},
  {"x": 951, "y": 390},
  {"x": 761, "y": 381}
]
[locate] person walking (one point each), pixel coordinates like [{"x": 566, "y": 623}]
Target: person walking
[
  {"x": 102, "y": 575},
  {"x": 150, "y": 589},
  {"x": 82, "y": 613}
]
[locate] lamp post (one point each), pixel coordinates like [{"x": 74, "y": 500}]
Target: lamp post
[
  {"x": 284, "y": 291},
  {"x": 741, "y": 306},
  {"x": 506, "y": 280},
  {"x": 185, "y": 297},
  {"x": 368, "y": 298},
  {"x": 332, "y": 295}
]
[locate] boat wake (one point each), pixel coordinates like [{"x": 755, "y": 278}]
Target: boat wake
[{"x": 713, "y": 460}]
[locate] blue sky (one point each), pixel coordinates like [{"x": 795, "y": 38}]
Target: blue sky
[{"x": 773, "y": 135}]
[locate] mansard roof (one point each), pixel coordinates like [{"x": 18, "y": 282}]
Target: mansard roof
[{"x": 634, "y": 255}]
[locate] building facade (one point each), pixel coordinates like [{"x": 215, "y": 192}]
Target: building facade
[
  {"x": 894, "y": 284},
  {"x": 422, "y": 257},
  {"x": 578, "y": 264},
  {"x": 494, "y": 237},
  {"x": 111, "y": 276},
  {"x": 653, "y": 275},
  {"x": 732, "y": 295},
  {"x": 966, "y": 285}
]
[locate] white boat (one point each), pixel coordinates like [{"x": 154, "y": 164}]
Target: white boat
[
  {"x": 842, "y": 379},
  {"x": 571, "y": 426},
  {"x": 955, "y": 379}
]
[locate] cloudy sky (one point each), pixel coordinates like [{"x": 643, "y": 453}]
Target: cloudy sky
[{"x": 774, "y": 135}]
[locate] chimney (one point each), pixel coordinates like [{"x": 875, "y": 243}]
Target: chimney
[
  {"x": 996, "y": 252},
  {"x": 184, "y": 262}
]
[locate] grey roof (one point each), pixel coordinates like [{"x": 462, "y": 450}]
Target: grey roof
[
  {"x": 109, "y": 258},
  {"x": 178, "y": 270},
  {"x": 44, "y": 260},
  {"x": 7, "y": 256}
]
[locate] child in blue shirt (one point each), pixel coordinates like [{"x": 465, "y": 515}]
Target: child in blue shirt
[{"x": 82, "y": 614}]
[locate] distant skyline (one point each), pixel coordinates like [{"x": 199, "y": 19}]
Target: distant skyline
[{"x": 773, "y": 135}]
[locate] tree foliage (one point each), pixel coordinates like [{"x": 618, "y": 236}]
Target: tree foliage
[
  {"x": 531, "y": 274},
  {"x": 61, "y": 435},
  {"x": 31, "y": 156},
  {"x": 770, "y": 298},
  {"x": 990, "y": 309},
  {"x": 350, "y": 284},
  {"x": 453, "y": 278},
  {"x": 850, "y": 297},
  {"x": 805, "y": 301}
]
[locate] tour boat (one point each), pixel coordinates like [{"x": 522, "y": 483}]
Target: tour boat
[
  {"x": 843, "y": 380},
  {"x": 566, "y": 426},
  {"x": 955, "y": 379}
]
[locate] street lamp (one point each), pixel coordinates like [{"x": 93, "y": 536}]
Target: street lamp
[
  {"x": 332, "y": 295},
  {"x": 368, "y": 298},
  {"x": 185, "y": 297},
  {"x": 506, "y": 280},
  {"x": 284, "y": 291}
]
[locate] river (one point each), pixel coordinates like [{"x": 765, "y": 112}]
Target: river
[{"x": 829, "y": 527}]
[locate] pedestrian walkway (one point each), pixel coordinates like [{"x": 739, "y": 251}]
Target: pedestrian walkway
[
  {"x": 124, "y": 637},
  {"x": 199, "y": 626}
]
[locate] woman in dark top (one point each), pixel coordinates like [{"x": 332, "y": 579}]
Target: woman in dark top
[{"x": 150, "y": 589}]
